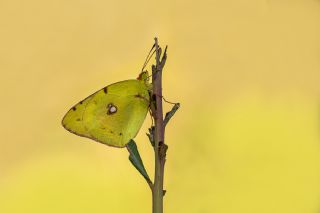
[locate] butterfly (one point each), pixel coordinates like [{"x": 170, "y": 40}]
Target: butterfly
[{"x": 114, "y": 114}]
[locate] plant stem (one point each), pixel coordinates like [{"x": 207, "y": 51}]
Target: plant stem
[{"x": 160, "y": 148}]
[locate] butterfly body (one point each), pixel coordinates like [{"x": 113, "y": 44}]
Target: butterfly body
[{"x": 112, "y": 115}]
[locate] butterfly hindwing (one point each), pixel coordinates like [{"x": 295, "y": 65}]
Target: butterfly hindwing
[{"x": 112, "y": 115}]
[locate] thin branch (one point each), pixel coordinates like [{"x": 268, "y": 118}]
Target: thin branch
[
  {"x": 160, "y": 148},
  {"x": 171, "y": 113}
]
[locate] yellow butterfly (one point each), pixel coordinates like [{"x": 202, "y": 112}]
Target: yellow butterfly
[{"x": 112, "y": 115}]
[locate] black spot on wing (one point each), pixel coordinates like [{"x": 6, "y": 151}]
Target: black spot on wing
[
  {"x": 138, "y": 96},
  {"x": 105, "y": 90},
  {"x": 120, "y": 133},
  {"x": 74, "y": 108}
]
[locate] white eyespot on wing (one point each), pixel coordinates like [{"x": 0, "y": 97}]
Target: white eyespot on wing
[{"x": 111, "y": 109}]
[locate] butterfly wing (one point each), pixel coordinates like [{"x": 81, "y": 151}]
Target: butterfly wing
[{"x": 112, "y": 115}]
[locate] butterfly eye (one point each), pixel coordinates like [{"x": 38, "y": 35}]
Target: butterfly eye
[{"x": 111, "y": 109}]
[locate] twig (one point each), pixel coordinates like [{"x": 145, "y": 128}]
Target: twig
[
  {"x": 160, "y": 149},
  {"x": 171, "y": 113}
]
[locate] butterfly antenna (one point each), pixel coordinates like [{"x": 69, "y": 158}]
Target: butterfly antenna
[
  {"x": 164, "y": 55},
  {"x": 148, "y": 57}
]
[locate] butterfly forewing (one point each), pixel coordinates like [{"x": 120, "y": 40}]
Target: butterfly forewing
[{"x": 113, "y": 115}]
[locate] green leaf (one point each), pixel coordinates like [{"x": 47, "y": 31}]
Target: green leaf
[{"x": 136, "y": 161}]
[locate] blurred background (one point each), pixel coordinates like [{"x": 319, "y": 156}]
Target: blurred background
[{"x": 247, "y": 75}]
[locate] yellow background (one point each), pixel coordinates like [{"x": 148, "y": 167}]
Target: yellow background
[{"x": 247, "y": 74}]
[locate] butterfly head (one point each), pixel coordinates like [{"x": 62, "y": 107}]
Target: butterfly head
[{"x": 143, "y": 76}]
